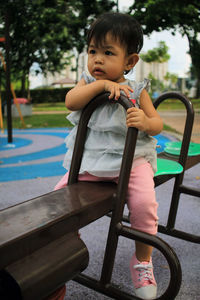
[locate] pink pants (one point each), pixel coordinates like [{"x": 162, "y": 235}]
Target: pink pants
[{"x": 141, "y": 199}]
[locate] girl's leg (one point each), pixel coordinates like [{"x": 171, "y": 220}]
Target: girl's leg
[
  {"x": 82, "y": 177},
  {"x": 142, "y": 206},
  {"x": 143, "y": 216},
  {"x": 62, "y": 183},
  {"x": 143, "y": 251},
  {"x": 59, "y": 294}
]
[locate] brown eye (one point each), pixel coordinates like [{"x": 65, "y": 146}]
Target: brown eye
[
  {"x": 108, "y": 53},
  {"x": 92, "y": 51}
]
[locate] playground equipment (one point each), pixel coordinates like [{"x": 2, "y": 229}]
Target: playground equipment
[
  {"x": 176, "y": 159},
  {"x": 43, "y": 231}
]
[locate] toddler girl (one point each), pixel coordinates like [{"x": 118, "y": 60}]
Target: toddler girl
[{"x": 114, "y": 41}]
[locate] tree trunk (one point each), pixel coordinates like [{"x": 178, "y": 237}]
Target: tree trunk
[
  {"x": 77, "y": 60},
  {"x": 194, "y": 51},
  {"x": 198, "y": 88},
  {"x": 23, "y": 84}
]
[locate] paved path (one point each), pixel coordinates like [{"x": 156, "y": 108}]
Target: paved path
[{"x": 176, "y": 120}]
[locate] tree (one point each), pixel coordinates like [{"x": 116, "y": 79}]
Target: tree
[
  {"x": 156, "y": 86},
  {"x": 38, "y": 34},
  {"x": 172, "y": 79},
  {"x": 158, "y": 54},
  {"x": 180, "y": 15},
  {"x": 42, "y": 31}
]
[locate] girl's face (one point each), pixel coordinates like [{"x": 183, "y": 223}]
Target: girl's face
[{"x": 107, "y": 61}]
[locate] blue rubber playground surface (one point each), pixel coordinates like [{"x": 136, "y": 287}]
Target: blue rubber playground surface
[{"x": 32, "y": 154}]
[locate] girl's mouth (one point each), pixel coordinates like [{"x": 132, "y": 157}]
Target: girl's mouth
[{"x": 98, "y": 71}]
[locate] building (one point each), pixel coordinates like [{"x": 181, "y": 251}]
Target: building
[
  {"x": 68, "y": 77},
  {"x": 143, "y": 69}
]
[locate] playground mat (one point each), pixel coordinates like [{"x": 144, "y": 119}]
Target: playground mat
[{"x": 38, "y": 153}]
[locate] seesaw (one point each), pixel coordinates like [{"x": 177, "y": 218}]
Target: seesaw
[{"x": 40, "y": 249}]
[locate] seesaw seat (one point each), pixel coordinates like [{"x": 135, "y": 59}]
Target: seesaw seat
[
  {"x": 43, "y": 232},
  {"x": 174, "y": 148},
  {"x": 167, "y": 167},
  {"x": 50, "y": 216}
]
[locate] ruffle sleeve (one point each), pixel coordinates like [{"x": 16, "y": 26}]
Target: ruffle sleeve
[
  {"x": 145, "y": 84},
  {"x": 106, "y": 136}
]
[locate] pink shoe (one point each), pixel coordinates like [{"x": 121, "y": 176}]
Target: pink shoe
[{"x": 143, "y": 278}]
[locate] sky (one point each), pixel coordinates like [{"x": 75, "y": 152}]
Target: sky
[{"x": 179, "y": 62}]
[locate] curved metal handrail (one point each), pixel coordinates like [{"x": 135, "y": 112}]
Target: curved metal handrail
[{"x": 188, "y": 123}]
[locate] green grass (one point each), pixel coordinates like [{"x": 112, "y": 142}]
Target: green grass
[
  {"x": 41, "y": 121},
  {"x": 170, "y": 129},
  {"x": 173, "y": 104},
  {"x": 58, "y": 106}
]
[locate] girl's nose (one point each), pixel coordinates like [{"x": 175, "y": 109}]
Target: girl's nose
[{"x": 99, "y": 59}]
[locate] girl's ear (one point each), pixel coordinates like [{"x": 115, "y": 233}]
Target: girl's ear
[{"x": 132, "y": 60}]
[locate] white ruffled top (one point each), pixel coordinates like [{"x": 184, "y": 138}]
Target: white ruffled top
[{"x": 106, "y": 137}]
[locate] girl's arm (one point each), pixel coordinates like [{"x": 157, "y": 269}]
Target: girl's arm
[
  {"x": 146, "y": 117},
  {"x": 82, "y": 93}
]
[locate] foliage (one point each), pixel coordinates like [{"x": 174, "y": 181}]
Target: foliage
[
  {"x": 42, "y": 31},
  {"x": 156, "y": 85},
  {"x": 158, "y": 54},
  {"x": 43, "y": 95},
  {"x": 48, "y": 95},
  {"x": 172, "y": 79},
  {"x": 38, "y": 34},
  {"x": 180, "y": 15}
]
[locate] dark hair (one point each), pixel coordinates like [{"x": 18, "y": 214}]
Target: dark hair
[{"x": 122, "y": 27}]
